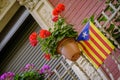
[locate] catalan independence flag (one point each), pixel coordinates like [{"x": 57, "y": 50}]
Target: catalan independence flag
[{"x": 94, "y": 44}]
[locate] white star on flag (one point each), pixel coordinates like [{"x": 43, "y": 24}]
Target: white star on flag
[{"x": 84, "y": 34}]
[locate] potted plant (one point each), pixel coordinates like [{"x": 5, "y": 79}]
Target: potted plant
[
  {"x": 29, "y": 73},
  {"x": 53, "y": 40}
]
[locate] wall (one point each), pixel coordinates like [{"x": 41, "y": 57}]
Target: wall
[
  {"x": 7, "y": 10},
  {"x": 77, "y": 10}
]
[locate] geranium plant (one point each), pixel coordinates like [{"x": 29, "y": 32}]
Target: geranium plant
[
  {"x": 29, "y": 73},
  {"x": 49, "y": 39}
]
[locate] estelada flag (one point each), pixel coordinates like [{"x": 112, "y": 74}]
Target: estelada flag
[{"x": 95, "y": 46}]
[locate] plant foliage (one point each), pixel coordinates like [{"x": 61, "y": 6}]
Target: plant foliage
[
  {"x": 61, "y": 31},
  {"x": 49, "y": 39}
]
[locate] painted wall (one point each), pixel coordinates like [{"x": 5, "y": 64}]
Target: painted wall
[{"x": 77, "y": 10}]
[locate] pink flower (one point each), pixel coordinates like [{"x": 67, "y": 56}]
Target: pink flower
[
  {"x": 7, "y": 76},
  {"x": 29, "y": 66},
  {"x": 45, "y": 69}
]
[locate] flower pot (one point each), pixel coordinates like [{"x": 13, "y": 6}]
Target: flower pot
[{"x": 69, "y": 48}]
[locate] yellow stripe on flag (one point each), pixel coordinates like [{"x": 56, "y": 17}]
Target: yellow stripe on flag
[
  {"x": 101, "y": 44},
  {"x": 91, "y": 60},
  {"x": 101, "y": 35},
  {"x": 97, "y": 50},
  {"x": 91, "y": 52}
]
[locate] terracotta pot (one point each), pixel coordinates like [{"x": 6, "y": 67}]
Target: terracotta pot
[{"x": 69, "y": 48}]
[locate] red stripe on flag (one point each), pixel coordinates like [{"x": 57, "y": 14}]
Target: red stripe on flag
[
  {"x": 88, "y": 53},
  {"x": 99, "y": 47},
  {"x": 93, "y": 49},
  {"x": 96, "y": 34}
]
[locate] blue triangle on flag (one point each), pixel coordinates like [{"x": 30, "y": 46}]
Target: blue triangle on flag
[{"x": 84, "y": 35}]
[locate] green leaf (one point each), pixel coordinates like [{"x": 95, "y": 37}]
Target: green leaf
[
  {"x": 103, "y": 18},
  {"x": 85, "y": 21},
  {"x": 119, "y": 1},
  {"x": 111, "y": 28},
  {"x": 50, "y": 29},
  {"x": 92, "y": 19},
  {"x": 17, "y": 77}
]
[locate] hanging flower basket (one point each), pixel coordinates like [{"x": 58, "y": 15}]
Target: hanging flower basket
[
  {"x": 69, "y": 48},
  {"x": 52, "y": 40}
]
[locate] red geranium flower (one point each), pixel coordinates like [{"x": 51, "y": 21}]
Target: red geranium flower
[
  {"x": 61, "y": 7},
  {"x": 33, "y": 42},
  {"x": 55, "y": 19},
  {"x": 44, "y": 33},
  {"x": 55, "y": 12},
  {"x": 47, "y": 56},
  {"x": 33, "y": 36},
  {"x": 33, "y": 39}
]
